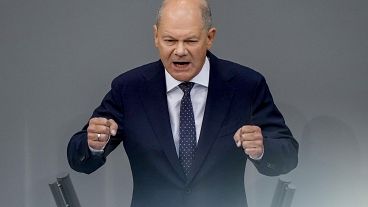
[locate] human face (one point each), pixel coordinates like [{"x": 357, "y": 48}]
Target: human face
[{"x": 182, "y": 41}]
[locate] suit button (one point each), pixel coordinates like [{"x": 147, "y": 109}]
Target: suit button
[{"x": 188, "y": 190}]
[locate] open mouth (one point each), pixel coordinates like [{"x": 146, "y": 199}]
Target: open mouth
[{"x": 181, "y": 64}]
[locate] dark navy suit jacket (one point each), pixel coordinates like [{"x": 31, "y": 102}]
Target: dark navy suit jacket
[{"x": 236, "y": 96}]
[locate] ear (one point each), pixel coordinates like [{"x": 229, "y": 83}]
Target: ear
[
  {"x": 155, "y": 34},
  {"x": 211, "y": 34}
]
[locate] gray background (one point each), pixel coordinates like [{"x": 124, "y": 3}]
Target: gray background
[{"x": 57, "y": 59}]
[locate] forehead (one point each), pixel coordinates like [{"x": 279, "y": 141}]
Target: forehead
[{"x": 181, "y": 15}]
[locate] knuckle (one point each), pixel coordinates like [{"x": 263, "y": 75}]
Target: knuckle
[
  {"x": 90, "y": 128},
  {"x": 91, "y": 120},
  {"x": 104, "y": 121},
  {"x": 112, "y": 122}
]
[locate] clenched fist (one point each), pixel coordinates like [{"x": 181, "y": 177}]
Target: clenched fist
[
  {"x": 250, "y": 138},
  {"x": 99, "y": 131}
]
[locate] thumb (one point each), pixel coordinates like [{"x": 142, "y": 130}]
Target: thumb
[
  {"x": 237, "y": 137},
  {"x": 113, "y": 127}
]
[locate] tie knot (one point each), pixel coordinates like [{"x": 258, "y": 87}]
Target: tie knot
[{"x": 186, "y": 87}]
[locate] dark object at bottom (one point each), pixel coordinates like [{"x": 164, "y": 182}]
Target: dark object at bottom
[
  {"x": 284, "y": 194},
  {"x": 63, "y": 192}
]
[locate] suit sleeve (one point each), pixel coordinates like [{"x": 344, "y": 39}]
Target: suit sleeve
[
  {"x": 280, "y": 148},
  {"x": 79, "y": 155}
]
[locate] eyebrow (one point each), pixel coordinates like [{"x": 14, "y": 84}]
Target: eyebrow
[{"x": 169, "y": 36}]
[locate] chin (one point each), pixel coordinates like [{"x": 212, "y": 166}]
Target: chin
[{"x": 182, "y": 77}]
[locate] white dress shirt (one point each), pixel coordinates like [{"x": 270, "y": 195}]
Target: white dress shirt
[{"x": 198, "y": 95}]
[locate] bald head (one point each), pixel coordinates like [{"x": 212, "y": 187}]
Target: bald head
[{"x": 194, "y": 6}]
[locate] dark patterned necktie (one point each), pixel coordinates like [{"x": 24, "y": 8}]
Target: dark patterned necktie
[{"x": 187, "y": 131}]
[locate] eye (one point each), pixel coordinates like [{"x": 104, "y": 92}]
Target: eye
[
  {"x": 169, "y": 41},
  {"x": 191, "y": 42}
]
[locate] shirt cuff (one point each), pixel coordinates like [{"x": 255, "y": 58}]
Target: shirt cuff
[
  {"x": 96, "y": 151},
  {"x": 257, "y": 158}
]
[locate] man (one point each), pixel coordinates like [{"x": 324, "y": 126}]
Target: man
[{"x": 188, "y": 122}]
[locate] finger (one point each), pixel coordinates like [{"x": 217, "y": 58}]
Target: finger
[
  {"x": 98, "y": 121},
  {"x": 113, "y": 127},
  {"x": 237, "y": 137},
  {"x": 103, "y": 137},
  {"x": 101, "y": 129},
  {"x": 251, "y": 144},
  {"x": 251, "y": 136},
  {"x": 92, "y": 136},
  {"x": 250, "y": 129},
  {"x": 98, "y": 137}
]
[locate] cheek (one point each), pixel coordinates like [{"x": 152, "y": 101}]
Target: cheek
[
  {"x": 199, "y": 53},
  {"x": 165, "y": 51}
]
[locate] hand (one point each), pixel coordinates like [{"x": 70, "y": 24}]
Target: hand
[
  {"x": 99, "y": 131},
  {"x": 250, "y": 138}
]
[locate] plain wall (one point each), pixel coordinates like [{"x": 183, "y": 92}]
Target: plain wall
[{"x": 57, "y": 59}]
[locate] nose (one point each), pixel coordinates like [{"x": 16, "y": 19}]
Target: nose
[{"x": 180, "y": 49}]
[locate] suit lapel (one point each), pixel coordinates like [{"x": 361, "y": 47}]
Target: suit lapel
[
  {"x": 217, "y": 105},
  {"x": 155, "y": 104}
]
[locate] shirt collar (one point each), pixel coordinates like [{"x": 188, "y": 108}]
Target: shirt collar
[{"x": 202, "y": 78}]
